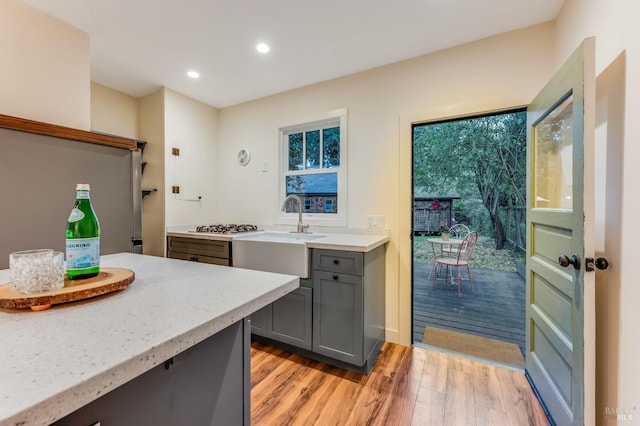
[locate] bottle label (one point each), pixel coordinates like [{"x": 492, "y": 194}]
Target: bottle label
[
  {"x": 83, "y": 253},
  {"x": 75, "y": 215}
]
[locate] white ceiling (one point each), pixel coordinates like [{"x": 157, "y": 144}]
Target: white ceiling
[{"x": 138, "y": 46}]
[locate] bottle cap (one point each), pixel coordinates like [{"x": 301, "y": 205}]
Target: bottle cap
[{"x": 82, "y": 187}]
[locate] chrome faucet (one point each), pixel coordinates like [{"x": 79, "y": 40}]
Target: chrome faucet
[{"x": 301, "y": 226}]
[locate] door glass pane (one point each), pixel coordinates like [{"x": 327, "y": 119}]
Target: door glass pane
[
  {"x": 553, "y": 156},
  {"x": 296, "y": 145},
  {"x": 313, "y": 149}
]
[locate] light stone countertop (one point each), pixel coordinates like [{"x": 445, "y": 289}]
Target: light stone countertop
[
  {"x": 55, "y": 361},
  {"x": 347, "y": 241}
]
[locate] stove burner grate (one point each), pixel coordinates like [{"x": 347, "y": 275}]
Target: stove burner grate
[{"x": 226, "y": 228}]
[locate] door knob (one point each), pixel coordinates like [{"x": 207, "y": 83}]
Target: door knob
[
  {"x": 565, "y": 261},
  {"x": 602, "y": 263}
]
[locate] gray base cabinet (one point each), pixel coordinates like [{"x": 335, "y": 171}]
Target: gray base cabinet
[
  {"x": 340, "y": 318},
  {"x": 259, "y": 321},
  {"x": 337, "y": 319},
  {"x": 288, "y": 319},
  {"x": 349, "y": 305},
  {"x": 208, "y": 384}
]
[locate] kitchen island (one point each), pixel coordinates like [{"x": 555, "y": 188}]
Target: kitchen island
[{"x": 57, "y": 361}]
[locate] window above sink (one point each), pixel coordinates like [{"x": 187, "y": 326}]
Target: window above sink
[{"x": 314, "y": 167}]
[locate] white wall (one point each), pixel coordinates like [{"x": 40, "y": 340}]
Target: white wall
[
  {"x": 44, "y": 67},
  {"x": 190, "y": 126},
  {"x": 113, "y": 112},
  {"x": 500, "y": 72},
  {"x": 614, "y": 23},
  {"x": 166, "y": 119},
  {"x": 151, "y": 126}
]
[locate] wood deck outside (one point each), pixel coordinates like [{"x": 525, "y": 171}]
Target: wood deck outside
[{"x": 496, "y": 308}]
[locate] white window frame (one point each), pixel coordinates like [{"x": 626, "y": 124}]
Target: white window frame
[{"x": 338, "y": 117}]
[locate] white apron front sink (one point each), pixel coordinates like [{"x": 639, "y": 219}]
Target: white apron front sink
[{"x": 281, "y": 252}]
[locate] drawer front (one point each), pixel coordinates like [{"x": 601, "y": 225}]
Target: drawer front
[
  {"x": 344, "y": 262},
  {"x": 198, "y": 258},
  {"x": 211, "y": 248}
]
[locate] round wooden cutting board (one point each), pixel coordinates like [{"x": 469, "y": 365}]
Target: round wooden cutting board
[{"x": 108, "y": 280}]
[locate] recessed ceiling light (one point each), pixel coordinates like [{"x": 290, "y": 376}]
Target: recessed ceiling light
[
  {"x": 193, "y": 74},
  {"x": 262, "y": 47}
]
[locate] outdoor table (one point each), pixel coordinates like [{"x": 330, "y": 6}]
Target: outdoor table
[{"x": 442, "y": 248}]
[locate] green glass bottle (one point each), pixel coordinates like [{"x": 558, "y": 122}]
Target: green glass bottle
[{"x": 83, "y": 237}]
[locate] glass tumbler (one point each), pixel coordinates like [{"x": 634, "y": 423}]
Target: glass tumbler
[{"x": 36, "y": 271}]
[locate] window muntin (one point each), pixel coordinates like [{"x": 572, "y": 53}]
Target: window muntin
[{"x": 305, "y": 153}]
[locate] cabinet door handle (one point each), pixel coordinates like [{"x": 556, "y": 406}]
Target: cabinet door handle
[
  {"x": 194, "y": 258},
  {"x": 335, "y": 277},
  {"x": 336, "y": 261}
]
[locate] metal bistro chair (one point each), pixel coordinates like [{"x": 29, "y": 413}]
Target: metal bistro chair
[
  {"x": 459, "y": 261},
  {"x": 457, "y": 231}
]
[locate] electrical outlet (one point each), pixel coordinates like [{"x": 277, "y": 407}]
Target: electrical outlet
[{"x": 376, "y": 221}]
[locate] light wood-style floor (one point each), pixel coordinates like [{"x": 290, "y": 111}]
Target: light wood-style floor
[{"x": 407, "y": 386}]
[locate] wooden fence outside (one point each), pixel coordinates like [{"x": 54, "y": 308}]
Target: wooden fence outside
[{"x": 515, "y": 226}]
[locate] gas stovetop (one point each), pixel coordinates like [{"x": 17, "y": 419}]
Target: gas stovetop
[{"x": 226, "y": 228}]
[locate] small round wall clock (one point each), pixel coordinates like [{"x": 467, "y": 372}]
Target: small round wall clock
[{"x": 244, "y": 156}]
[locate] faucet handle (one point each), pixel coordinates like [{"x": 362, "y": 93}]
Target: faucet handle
[{"x": 302, "y": 227}]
